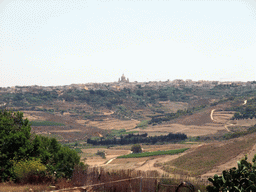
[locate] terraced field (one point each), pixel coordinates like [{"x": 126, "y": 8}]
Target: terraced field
[{"x": 112, "y": 123}]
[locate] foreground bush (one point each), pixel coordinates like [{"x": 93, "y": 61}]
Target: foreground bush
[
  {"x": 29, "y": 171},
  {"x": 241, "y": 179}
]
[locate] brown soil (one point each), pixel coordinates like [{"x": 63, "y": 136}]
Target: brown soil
[
  {"x": 72, "y": 131},
  {"x": 200, "y": 118},
  {"x": 230, "y": 164},
  {"x": 173, "y": 106},
  {"x": 144, "y": 164},
  {"x": 112, "y": 123},
  {"x": 94, "y": 160},
  {"x": 189, "y": 130}
]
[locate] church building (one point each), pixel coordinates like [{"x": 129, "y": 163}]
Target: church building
[{"x": 123, "y": 79}]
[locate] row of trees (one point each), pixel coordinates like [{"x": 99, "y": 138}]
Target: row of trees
[
  {"x": 19, "y": 150},
  {"x": 134, "y": 139}
]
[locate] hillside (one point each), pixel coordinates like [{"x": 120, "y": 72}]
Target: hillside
[
  {"x": 207, "y": 120},
  {"x": 96, "y": 110}
]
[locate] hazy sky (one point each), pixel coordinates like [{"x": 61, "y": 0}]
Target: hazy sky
[{"x": 60, "y": 42}]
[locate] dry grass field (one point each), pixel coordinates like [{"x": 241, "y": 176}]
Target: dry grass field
[
  {"x": 112, "y": 123},
  {"x": 198, "y": 124},
  {"x": 189, "y": 130},
  {"x": 143, "y": 164},
  {"x": 95, "y": 160},
  {"x": 34, "y": 116},
  {"x": 12, "y": 187},
  {"x": 173, "y": 107},
  {"x": 72, "y": 131},
  {"x": 211, "y": 155}
]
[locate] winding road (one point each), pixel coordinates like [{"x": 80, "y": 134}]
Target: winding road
[{"x": 226, "y": 126}]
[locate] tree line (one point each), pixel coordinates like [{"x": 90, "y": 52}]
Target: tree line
[{"x": 134, "y": 139}]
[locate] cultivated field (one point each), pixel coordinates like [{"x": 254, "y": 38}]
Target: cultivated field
[
  {"x": 209, "y": 121},
  {"x": 112, "y": 123}
]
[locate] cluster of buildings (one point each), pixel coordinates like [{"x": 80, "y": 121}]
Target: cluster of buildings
[{"x": 124, "y": 82}]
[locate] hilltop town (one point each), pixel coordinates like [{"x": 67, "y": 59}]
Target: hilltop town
[{"x": 124, "y": 82}]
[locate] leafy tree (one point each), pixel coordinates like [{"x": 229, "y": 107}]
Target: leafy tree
[
  {"x": 14, "y": 141},
  {"x": 18, "y": 147},
  {"x": 136, "y": 148},
  {"x": 57, "y": 158},
  {"x": 64, "y": 161}
]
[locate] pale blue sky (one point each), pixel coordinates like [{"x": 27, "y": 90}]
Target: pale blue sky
[{"x": 60, "y": 42}]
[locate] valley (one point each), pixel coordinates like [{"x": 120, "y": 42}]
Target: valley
[{"x": 204, "y": 114}]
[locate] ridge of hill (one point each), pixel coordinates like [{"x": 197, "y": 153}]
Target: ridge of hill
[
  {"x": 101, "y": 108},
  {"x": 203, "y": 114}
]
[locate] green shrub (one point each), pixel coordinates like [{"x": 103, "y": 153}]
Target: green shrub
[
  {"x": 143, "y": 124},
  {"x": 101, "y": 153},
  {"x": 25, "y": 170},
  {"x": 45, "y": 123},
  {"x": 78, "y": 150},
  {"x": 238, "y": 179}
]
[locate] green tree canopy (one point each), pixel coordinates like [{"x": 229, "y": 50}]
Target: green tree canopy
[
  {"x": 14, "y": 141},
  {"x": 16, "y": 144},
  {"x": 136, "y": 148}
]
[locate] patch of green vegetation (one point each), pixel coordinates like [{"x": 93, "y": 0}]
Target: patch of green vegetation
[
  {"x": 193, "y": 139},
  {"x": 46, "y": 123},
  {"x": 78, "y": 150},
  {"x": 143, "y": 124},
  {"x": 123, "y": 113},
  {"x": 56, "y": 136},
  {"x": 101, "y": 153},
  {"x": 231, "y": 135},
  {"x": 154, "y": 153},
  {"x": 118, "y": 133},
  {"x": 245, "y": 111},
  {"x": 90, "y": 146}
]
